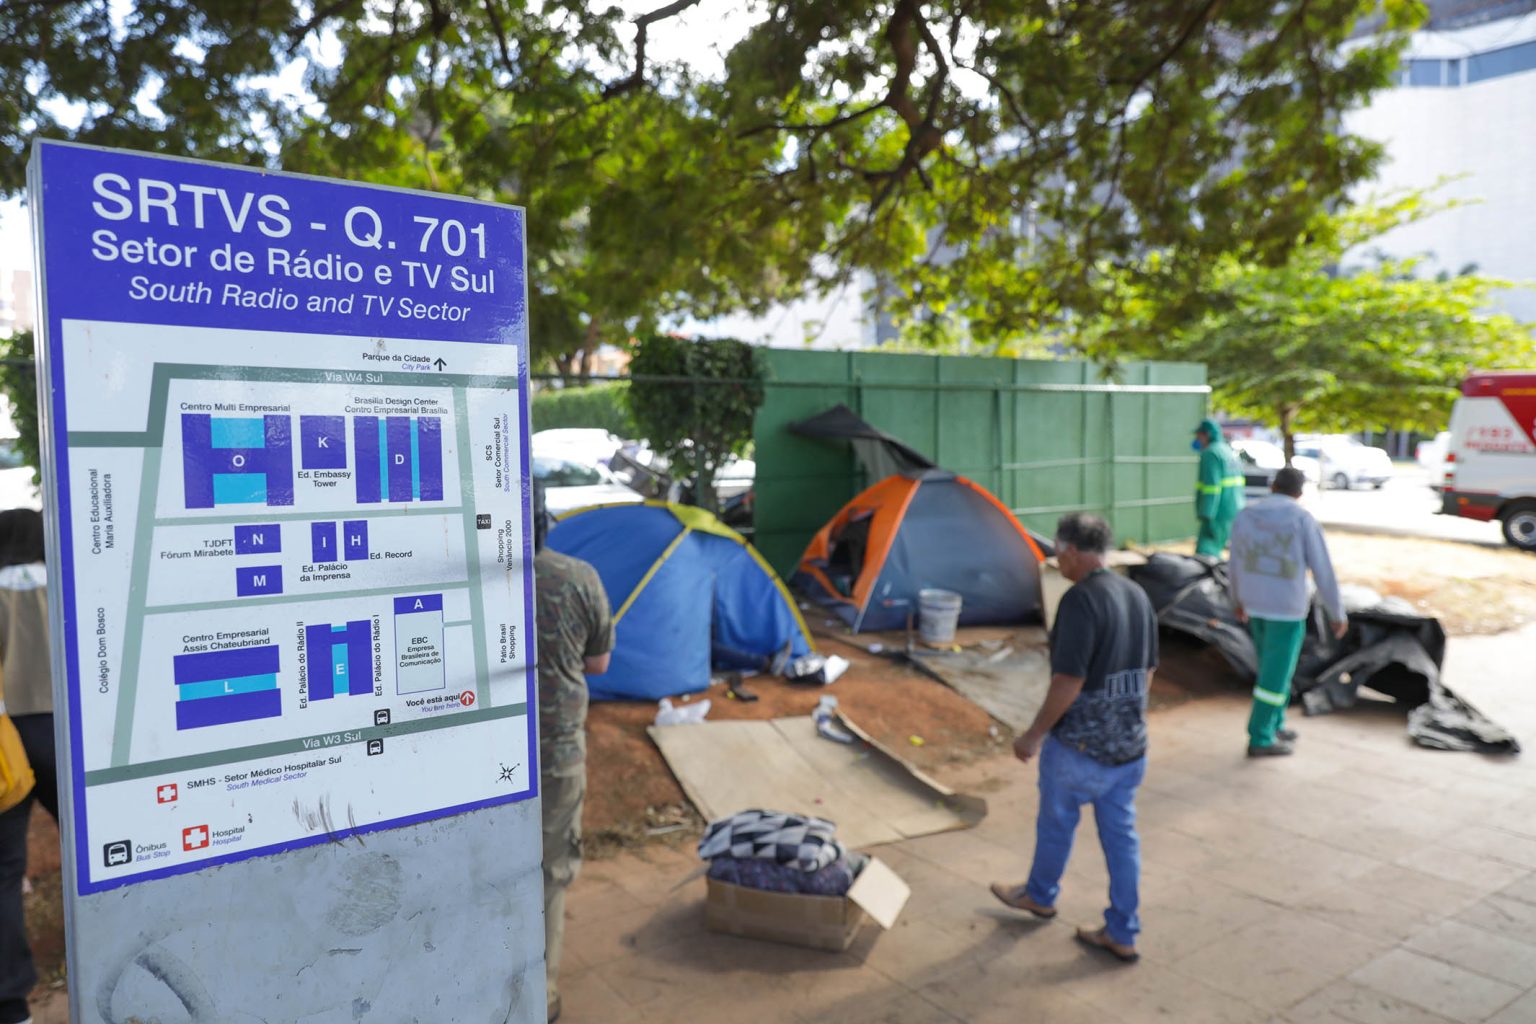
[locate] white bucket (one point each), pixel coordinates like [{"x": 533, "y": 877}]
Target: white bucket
[{"x": 938, "y": 612}]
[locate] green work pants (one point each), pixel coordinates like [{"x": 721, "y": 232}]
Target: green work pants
[
  {"x": 1278, "y": 642},
  {"x": 1214, "y": 534},
  {"x": 563, "y": 795}
]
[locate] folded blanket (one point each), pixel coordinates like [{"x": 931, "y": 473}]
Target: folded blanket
[{"x": 805, "y": 843}]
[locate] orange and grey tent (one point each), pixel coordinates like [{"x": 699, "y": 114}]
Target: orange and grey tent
[{"x": 925, "y": 529}]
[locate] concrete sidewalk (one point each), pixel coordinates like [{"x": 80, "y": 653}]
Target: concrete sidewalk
[{"x": 1364, "y": 881}]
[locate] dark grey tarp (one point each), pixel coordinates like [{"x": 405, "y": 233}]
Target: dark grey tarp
[
  {"x": 1389, "y": 648},
  {"x": 880, "y": 454}
]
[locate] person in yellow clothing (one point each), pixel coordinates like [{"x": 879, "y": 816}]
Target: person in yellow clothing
[
  {"x": 1219, "y": 492},
  {"x": 26, "y": 671}
]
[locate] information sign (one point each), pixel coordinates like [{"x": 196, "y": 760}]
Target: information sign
[{"x": 286, "y": 465}]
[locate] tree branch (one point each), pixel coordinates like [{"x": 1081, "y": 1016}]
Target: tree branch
[
  {"x": 816, "y": 127},
  {"x": 643, "y": 23},
  {"x": 1199, "y": 18},
  {"x": 320, "y": 17},
  {"x": 500, "y": 31}
]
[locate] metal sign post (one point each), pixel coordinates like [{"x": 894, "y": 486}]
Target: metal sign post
[{"x": 286, "y": 478}]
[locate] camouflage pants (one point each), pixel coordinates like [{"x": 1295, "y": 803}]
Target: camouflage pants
[{"x": 563, "y": 795}]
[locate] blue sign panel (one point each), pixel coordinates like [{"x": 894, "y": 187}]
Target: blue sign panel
[
  {"x": 190, "y": 243},
  {"x": 231, "y": 354}
]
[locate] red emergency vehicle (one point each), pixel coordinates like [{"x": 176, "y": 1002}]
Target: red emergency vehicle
[{"x": 1490, "y": 468}]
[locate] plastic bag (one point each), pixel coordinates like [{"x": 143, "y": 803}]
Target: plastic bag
[
  {"x": 825, "y": 717},
  {"x": 816, "y": 669},
  {"x": 688, "y": 714}
]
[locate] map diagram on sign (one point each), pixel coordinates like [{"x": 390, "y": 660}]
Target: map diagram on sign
[{"x": 308, "y": 597}]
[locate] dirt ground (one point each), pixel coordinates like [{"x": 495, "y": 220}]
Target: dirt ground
[
  {"x": 632, "y": 797},
  {"x": 1474, "y": 591}
]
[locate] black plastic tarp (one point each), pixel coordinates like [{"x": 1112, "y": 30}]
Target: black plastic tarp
[
  {"x": 880, "y": 454},
  {"x": 1389, "y": 648}
]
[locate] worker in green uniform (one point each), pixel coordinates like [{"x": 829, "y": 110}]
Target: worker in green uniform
[{"x": 1219, "y": 493}]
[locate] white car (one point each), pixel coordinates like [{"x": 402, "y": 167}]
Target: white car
[
  {"x": 735, "y": 477},
  {"x": 569, "y": 483},
  {"x": 17, "y": 489},
  {"x": 1431, "y": 457},
  {"x": 588, "y": 444},
  {"x": 1346, "y": 463},
  {"x": 1262, "y": 460}
]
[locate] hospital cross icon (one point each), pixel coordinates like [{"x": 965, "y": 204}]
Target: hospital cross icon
[
  {"x": 166, "y": 794},
  {"x": 194, "y": 838}
]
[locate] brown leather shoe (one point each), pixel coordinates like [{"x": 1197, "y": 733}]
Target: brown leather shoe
[
  {"x": 1099, "y": 939},
  {"x": 1015, "y": 897}
]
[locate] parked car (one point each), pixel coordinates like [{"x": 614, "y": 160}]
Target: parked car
[
  {"x": 642, "y": 471},
  {"x": 1345, "y": 463},
  {"x": 587, "y": 444},
  {"x": 1262, "y": 460},
  {"x": 570, "y": 484},
  {"x": 17, "y": 489},
  {"x": 648, "y": 472},
  {"x": 738, "y": 512},
  {"x": 1431, "y": 456},
  {"x": 735, "y": 477}
]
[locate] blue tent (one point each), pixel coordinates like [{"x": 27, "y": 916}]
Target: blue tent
[{"x": 687, "y": 592}]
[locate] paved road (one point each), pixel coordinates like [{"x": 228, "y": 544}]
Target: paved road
[
  {"x": 1405, "y": 507},
  {"x": 1366, "y": 879}
]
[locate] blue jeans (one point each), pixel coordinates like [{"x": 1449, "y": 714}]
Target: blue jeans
[{"x": 1069, "y": 779}]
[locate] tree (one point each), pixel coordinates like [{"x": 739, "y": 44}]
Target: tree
[
  {"x": 18, "y": 385},
  {"x": 1001, "y": 159},
  {"x": 696, "y": 401},
  {"x": 990, "y": 162},
  {"x": 1318, "y": 344}
]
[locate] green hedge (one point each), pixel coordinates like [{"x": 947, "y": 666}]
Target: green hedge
[{"x": 596, "y": 405}]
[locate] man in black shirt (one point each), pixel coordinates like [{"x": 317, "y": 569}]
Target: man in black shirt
[{"x": 1091, "y": 733}]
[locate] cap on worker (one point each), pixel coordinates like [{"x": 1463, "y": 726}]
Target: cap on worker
[{"x": 1211, "y": 427}]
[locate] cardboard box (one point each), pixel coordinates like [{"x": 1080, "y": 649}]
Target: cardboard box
[{"x": 820, "y": 922}]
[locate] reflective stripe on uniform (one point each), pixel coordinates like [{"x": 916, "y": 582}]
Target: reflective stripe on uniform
[
  {"x": 1235, "y": 481},
  {"x": 1278, "y": 700},
  {"x": 1208, "y": 488}
]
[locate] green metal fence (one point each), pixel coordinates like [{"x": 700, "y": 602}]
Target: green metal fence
[{"x": 1046, "y": 437}]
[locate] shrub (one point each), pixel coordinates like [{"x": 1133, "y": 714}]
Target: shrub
[
  {"x": 18, "y": 383},
  {"x": 595, "y": 405}
]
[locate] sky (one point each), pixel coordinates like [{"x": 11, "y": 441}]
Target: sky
[{"x": 701, "y": 36}]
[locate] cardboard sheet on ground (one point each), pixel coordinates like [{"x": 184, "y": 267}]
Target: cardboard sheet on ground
[
  {"x": 1009, "y": 683},
  {"x": 782, "y": 764}
]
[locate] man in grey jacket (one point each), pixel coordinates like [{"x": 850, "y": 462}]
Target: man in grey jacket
[{"x": 1274, "y": 543}]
